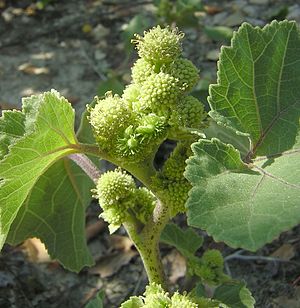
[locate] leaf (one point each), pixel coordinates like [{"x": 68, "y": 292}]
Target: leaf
[
  {"x": 200, "y": 296},
  {"x": 133, "y": 302},
  {"x": 111, "y": 264},
  {"x": 64, "y": 193},
  {"x": 258, "y": 91},
  {"x": 187, "y": 241},
  {"x": 285, "y": 252},
  {"x": 199, "y": 290},
  {"x": 247, "y": 200},
  {"x": 30, "y": 156},
  {"x": 55, "y": 212},
  {"x": 176, "y": 265},
  {"x": 241, "y": 206},
  {"x": 31, "y": 69},
  {"x": 85, "y": 133},
  {"x": 96, "y": 302},
  {"x": 11, "y": 129},
  {"x": 234, "y": 295},
  {"x": 227, "y": 135},
  {"x": 218, "y": 33}
]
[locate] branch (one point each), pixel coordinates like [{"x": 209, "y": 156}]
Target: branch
[{"x": 86, "y": 165}]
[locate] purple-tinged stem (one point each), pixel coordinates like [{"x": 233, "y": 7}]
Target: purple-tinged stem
[{"x": 86, "y": 165}]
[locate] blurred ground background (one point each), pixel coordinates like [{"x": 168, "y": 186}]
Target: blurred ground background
[{"x": 82, "y": 49}]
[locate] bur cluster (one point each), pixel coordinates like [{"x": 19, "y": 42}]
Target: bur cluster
[
  {"x": 130, "y": 128},
  {"x": 156, "y": 104},
  {"x": 120, "y": 199},
  {"x": 156, "y": 297}
]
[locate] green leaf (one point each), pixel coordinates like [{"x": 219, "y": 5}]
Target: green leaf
[
  {"x": 85, "y": 133},
  {"x": 55, "y": 212},
  {"x": 247, "y": 200},
  {"x": 234, "y": 295},
  {"x": 218, "y": 33},
  {"x": 199, "y": 296},
  {"x": 49, "y": 139},
  {"x": 96, "y": 302},
  {"x": 258, "y": 91},
  {"x": 186, "y": 241},
  {"x": 242, "y": 205},
  {"x": 11, "y": 129},
  {"x": 64, "y": 193},
  {"x": 199, "y": 290},
  {"x": 227, "y": 135},
  {"x": 133, "y": 302}
]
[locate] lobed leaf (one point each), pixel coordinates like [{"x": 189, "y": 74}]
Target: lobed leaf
[
  {"x": 50, "y": 137},
  {"x": 54, "y": 210},
  {"x": 247, "y": 199},
  {"x": 11, "y": 129},
  {"x": 234, "y": 294},
  {"x": 258, "y": 86}
]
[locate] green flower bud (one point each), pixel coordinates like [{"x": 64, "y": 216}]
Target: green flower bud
[
  {"x": 160, "y": 93},
  {"x": 131, "y": 94},
  {"x": 185, "y": 71},
  {"x": 182, "y": 301},
  {"x": 133, "y": 302},
  {"x": 174, "y": 166},
  {"x": 115, "y": 192},
  {"x": 213, "y": 258},
  {"x": 151, "y": 126},
  {"x": 189, "y": 112},
  {"x": 114, "y": 187},
  {"x": 109, "y": 119},
  {"x": 141, "y": 70},
  {"x": 209, "y": 267},
  {"x": 145, "y": 203},
  {"x": 159, "y": 45},
  {"x": 156, "y": 297}
]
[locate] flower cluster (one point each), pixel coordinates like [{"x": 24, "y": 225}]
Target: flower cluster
[
  {"x": 131, "y": 127},
  {"x": 156, "y": 297},
  {"x": 209, "y": 267},
  {"x": 119, "y": 197}
]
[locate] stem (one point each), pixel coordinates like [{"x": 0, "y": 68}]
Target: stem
[
  {"x": 149, "y": 252},
  {"x": 86, "y": 165},
  {"x": 93, "y": 150},
  {"x": 146, "y": 240},
  {"x": 143, "y": 171},
  {"x": 147, "y": 243}
]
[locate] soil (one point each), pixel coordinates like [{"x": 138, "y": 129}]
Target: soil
[{"x": 75, "y": 47}]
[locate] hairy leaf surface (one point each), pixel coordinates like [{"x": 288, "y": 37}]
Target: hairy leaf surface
[
  {"x": 247, "y": 199},
  {"x": 50, "y": 137},
  {"x": 11, "y": 129},
  {"x": 258, "y": 86},
  {"x": 54, "y": 211}
]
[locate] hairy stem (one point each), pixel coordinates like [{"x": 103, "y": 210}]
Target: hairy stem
[
  {"x": 143, "y": 171},
  {"x": 147, "y": 239},
  {"x": 149, "y": 252},
  {"x": 86, "y": 165},
  {"x": 147, "y": 243}
]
